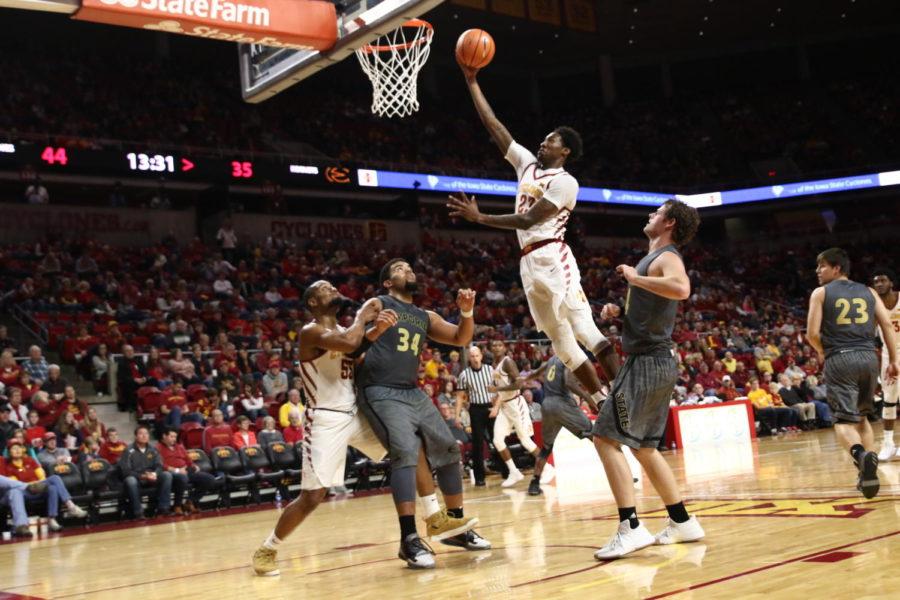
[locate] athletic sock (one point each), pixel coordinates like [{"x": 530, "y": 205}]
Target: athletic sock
[
  {"x": 456, "y": 513},
  {"x": 629, "y": 514},
  {"x": 511, "y": 465},
  {"x": 598, "y": 397},
  {"x": 430, "y": 505},
  {"x": 889, "y": 436},
  {"x": 272, "y": 542},
  {"x": 856, "y": 451},
  {"x": 407, "y": 526},
  {"x": 677, "y": 512}
]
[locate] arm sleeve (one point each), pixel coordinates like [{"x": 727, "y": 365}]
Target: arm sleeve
[
  {"x": 562, "y": 192},
  {"x": 519, "y": 157}
]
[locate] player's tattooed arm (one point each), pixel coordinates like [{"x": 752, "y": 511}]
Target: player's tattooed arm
[
  {"x": 498, "y": 131},
  {"x": 465, "y": 207}
]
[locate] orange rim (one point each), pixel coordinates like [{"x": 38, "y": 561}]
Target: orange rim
[{"x": 424, "y": 39}]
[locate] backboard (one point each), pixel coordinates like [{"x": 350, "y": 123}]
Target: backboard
[{"x": 266, "y": 70}]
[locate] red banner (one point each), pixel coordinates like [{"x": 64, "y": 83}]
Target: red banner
[{"x": 300, "y": 24}]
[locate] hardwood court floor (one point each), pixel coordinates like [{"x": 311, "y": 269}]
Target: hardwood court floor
[{"x": 782, "y": 517}]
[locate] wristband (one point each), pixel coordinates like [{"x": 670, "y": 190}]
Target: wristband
[{"x": 466, "y": 314}]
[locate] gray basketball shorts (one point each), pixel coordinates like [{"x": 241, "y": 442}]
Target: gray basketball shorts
[
  {"x": 636, "y": 411},
  {"x": 402, "y": 418},
  {"x": 556, "y": 413},
  {"x": 850, "y": 381}
]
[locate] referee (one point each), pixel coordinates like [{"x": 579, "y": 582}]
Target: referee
[{"x": 474, "y": 381}]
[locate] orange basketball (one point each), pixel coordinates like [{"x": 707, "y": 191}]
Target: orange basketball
[{"x": 475, "y": 48}]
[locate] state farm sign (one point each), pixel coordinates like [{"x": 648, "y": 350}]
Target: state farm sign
[{"x": 300, "y": 24}]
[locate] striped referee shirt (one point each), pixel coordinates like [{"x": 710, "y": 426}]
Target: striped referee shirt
[{"x": 476, "y": 383}]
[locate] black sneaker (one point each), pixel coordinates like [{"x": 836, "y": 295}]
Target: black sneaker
[
  {"x": 868, "y": 482},
  {"x": 480, "y": 483},
  {"x": 534, "y": 488},
  {"x": 468, "y": 540},
  {"x": 416, "y": 553}
]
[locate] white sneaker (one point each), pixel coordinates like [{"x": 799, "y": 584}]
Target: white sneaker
[
  {"x": 888, "y": 452},
  {"x": 677, "y": 533},
  {"x": 625, "y": 541},
  {"x": 514, "y": 478},
  {"x": 75, "y": 511},
  {"x": 416, "y": 553},
  {"x": 548, "y": 474},
  {"x": 53, "y": 525}
]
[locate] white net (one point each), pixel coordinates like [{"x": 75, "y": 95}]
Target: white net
[{"x": 392, "y": 63}]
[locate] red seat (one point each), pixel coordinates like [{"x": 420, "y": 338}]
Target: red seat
[
  {"x": 195, "y": 391},
  {"x": 191, "y": 434}
]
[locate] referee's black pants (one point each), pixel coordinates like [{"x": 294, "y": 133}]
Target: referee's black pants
[{"x": 482, "y": 430}]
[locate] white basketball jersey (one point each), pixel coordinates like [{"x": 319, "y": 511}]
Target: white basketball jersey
[
  {"x": 555, "y": 185},
  {"x": 501, "y": 379},
  {"x": 894, "y": 314},
  {"x": 328, "y": 381}
]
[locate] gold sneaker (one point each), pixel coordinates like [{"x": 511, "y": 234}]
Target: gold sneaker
[
  {"x": 441, "y": 525},
  {"x": 264, "y": 562}
]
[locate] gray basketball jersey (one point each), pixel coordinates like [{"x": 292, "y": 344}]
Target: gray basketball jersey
[
  {"x": 649, "y": 318},
  {"x": 848, "y": 317},
  {"x": 555, "y": 379},
  {"x": 393, "y": 360}
]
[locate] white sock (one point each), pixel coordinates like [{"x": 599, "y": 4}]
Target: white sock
[
  {"x": 598, "y": 397},
  {"x": 889, "y": 436},
  {"x": 430, "y": 505},
  {"x": 511, "y": 466},
  {"x": 272, "y": 542}
]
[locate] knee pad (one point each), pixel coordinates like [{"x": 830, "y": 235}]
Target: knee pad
[
  {"x": 566, "y": 347},
  {"x": 403, "y": 484},
  {"x": 528, "y": 444},
  {"x": 545, "y": 452},
  {"x": 450, "y": 479},
  {"x": 889, "y": 411}
]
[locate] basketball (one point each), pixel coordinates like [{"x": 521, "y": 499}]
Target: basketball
[{"x": 475, "y": 48}]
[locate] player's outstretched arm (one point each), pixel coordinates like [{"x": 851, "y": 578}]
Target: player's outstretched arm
[
  {"x": 466, "y": 207},
  {"x": 814, "y": 320},
  {"x": 887, "y": 331},
  {"x": 498, "y": 131},
  {"x": 443, "y": 332}
]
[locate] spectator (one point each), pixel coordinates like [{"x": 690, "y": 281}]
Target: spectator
[
  {"x": 771, "y": 413},
  {"x": 275, "y": 381},
  {"x": 10, "y": 372},
  {"x": 269, "y": 434},
  {"x": 173, "y": 405},
  {"x": 18, "y": 411},
  {"x": 454, "y": 367},
  {"x": 68, "y": 430},
  {"x": 292, "y": 406},
  {"x": 6, "y": 342},
  {"x": 448, "y": 395},
  {"x": 156, "y": 370},
  {"x": 182, "y": 366},
  {"x": 28, "y": 387},
  {"x": 55, "y": 385},
  {"x": 140, "y": 466},
  {"x": 293, "y": 433},
  {"x": 243, "y": 437},
  {"x": 92, "y": 427},
  {"x": 534, "y": 409},
  {"x": 793, "y": 398},
  {"x": 36, "y": 366},
  {"x": 727, "y": 392},
  {"x": 72, "y": 404},
  {"x": 740, "y": 377},
  {"x": 12, "y": 494},
  {"x": 455, "y": 428},
  {"x": 227, "y": 238},
  {"x": 7, "y": 427},
  {"x": 23, "y": 468},
  {"x": 90, "y": 450},
  {"x": 34, "y": 433},
  {"x": 112, "y": 449},
  {"x": 100, "y": 363},
  {"x": 52, "y": 454},
  {"x": 218, "y": 433},
  {"x": 729, "y": 362},
  {"x": 131, "y": 376},
  {"x": 185, "y": 474},
  {"x": 252, "y": 401},
  {"x": 36, "y": 193}
]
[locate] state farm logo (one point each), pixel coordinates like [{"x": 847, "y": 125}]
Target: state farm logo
[{"x": 216, "y": 10}]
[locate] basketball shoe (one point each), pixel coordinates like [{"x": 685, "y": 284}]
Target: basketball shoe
[
  {"x": 534, "y": 487},
  {"x": 677, "y": 533},
  {"x": 514, "y": 478},
  {"x": 868, "y": 482},
  {"x": 468, "y": 540},
  {"x": 416, "y": 553},
  {"x": 888, "y": 451},
  {"x": 264, "y": 562},
  {"x": 625, "y": 541},
  {"x": 441, "y": 526}
]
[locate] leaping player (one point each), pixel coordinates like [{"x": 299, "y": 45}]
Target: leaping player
[
  {"x": 884, "y": 280},
  {"x": 550, "y": 276},
  {"x": 332, "y": 416}
]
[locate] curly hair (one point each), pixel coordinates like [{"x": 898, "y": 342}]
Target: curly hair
[
  {"x": 687, "y": 221},
  {"x": 571, "y": 139},
  {"x": 887, "y": 272}
]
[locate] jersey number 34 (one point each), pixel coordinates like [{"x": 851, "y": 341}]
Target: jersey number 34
[{"x": 406, "y": 344}]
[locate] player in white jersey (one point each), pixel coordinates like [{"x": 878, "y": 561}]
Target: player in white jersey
[
  {"x": 510, "y": 410},
  {"x": 332, "y": 418},
  {"x": 550, "y": 277},
  {"x": 884, "y": 280}
]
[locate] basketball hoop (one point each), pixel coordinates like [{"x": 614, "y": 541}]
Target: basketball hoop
[{"x": 392, "y": 63}]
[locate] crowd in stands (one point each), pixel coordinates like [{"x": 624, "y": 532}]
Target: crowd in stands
[
  {"x": 819, "y": 126},
  {"x": 207, "y": 338}
]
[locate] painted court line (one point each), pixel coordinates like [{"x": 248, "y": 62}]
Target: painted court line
[{"x": 771, "y": 566}]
